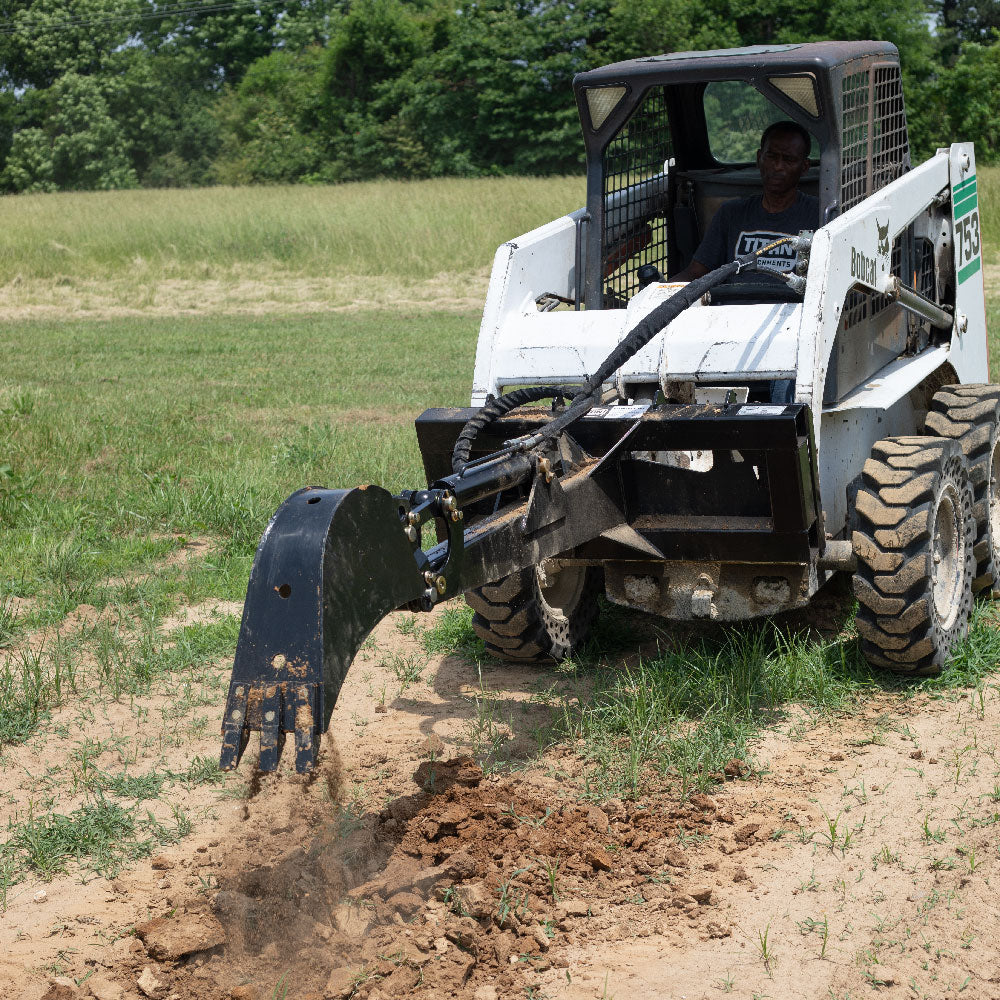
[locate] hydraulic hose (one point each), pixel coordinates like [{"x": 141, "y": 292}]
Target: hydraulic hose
[
  {"x": 495, "y": 408},
  {"x": 630, "y": 345}
]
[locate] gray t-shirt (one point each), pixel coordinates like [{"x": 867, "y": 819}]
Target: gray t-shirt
[{"x": 742, "y": 226}]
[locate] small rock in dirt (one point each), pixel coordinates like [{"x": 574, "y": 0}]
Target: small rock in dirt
[
  {"x": 380, "y": 709},
  {"x": 340, "y": 983},
  {"x": 917, "y": 755},
  {"x": 661, "y": 927},
  {"x": 246, "y": 992},
  {"x": 463, "y": 933},
  {"x": 60, "y": 991},
  {"x": 103, "y": 988},
  {"x": 432, "y": 746},
  {"x": 717, "y": 930},
  {"x": 674, "y": 857},
  {"x": 710, "y": 866},
  {"x": 744, "y": 834},
  {"x": 882, "y": 975},
  {"x": 739, "y": 874},
  {"x": 538, "y": 933},
  {"x": 441, "y": 945},
  {"x": 836, "y": 756},
  {"x": 597, "y": 819},
  {"x": 485, "y": 992},
  {"x": 171, "y": 938},
  {"x": 40, "y": 896},
  {"x": 439, "y": 775},
  {"x": 405, "y": 904},
  {"x": 476, "y": 900},
  {"x": 702, "y": 802},
  {"x": 119, "y": 886},
  {"x": 163, "y": 883},
  {"x": 161, "y": 863},
  {"x": 735, "y": 769},
  {"x": 147, "y": 982},
  {"x": 599, "y": 860},
  {"x": 401, "y": 982},
  {"x": 726, "y": 817},
  {"x": 932, "y": 760},
  {"x": 461, "y": 865},
  {"x": 572, "y": 908},
  {"x": 702, "y": 895}
]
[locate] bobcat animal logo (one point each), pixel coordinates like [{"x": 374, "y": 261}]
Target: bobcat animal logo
[{"x": 883, "y": 238}]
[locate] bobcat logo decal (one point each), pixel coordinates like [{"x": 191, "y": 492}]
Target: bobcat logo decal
[{"x": 883, "y": 238}]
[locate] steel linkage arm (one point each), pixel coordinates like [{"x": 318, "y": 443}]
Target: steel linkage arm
[{"x": 333, "y": 563}]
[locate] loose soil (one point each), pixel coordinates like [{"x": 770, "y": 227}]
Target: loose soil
[{"x": 860, "y": 858}]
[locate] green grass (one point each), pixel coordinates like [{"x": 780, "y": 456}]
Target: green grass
[
  {"x": 682, "y": 714},
  {"x": 409, "y": 230},
  {"x": 100, "y": 837}
]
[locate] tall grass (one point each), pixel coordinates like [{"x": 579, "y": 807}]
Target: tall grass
[{"x": 412, "y": 230}]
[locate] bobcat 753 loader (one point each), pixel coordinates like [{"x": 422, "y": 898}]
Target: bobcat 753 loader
[{"x": 714, "y": 449}]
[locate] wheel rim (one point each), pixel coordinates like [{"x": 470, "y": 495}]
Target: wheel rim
[
  {"x": 947, "y": 556},
  {"x": 563, "y": 596}
]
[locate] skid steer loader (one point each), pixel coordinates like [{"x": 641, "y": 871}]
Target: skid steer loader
[{"x": 714, "y": 449}]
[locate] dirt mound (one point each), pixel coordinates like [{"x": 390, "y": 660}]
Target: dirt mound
[{"x": 461, "y": 885}]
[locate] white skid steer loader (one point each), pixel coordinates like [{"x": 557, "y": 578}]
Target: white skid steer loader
[{"x": 714, "y": 449}]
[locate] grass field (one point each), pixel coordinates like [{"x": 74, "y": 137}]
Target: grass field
[{"x": 124, "y": 439}]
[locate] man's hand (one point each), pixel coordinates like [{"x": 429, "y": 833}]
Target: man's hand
[{"x": 694, "y": 270}]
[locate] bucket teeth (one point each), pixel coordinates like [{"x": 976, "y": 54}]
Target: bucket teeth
[
  {"x": 272, "y": 739},
  {"x": 234, "y": 730},
  {"x": 275, "y": 710}
]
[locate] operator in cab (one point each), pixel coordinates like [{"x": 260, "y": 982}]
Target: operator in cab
[{"x": 744, "y": 225}]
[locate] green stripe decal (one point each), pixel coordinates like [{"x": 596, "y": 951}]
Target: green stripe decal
[
  {"x": 969, "y": 270},
  {"x": 966, "y": 205},
  {"x": 964, "y": 184}
]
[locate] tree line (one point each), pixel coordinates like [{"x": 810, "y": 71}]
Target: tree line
[{"x": 101, "y": 94}]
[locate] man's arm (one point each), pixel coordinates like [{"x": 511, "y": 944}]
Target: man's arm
[
  {"x": 711, "y": 253},
  {"x": 694, "y": 270}
]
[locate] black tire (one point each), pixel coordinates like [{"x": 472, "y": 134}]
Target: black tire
[
  {"x": 913, "y": 538},
  {"x": 970, "y": 414},
  {"x": 523, "y": 622}
]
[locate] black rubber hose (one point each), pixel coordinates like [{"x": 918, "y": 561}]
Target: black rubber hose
[
  {"x": 495, "y": 408},
  {"x": 630, "y": 345},
  {"x": 638, "y": 337}
]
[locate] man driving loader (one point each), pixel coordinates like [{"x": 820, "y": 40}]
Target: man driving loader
[{"x": 744, "y": 225}]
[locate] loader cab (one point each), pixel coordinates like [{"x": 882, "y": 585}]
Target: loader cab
[{"x": 671, "y": 138}]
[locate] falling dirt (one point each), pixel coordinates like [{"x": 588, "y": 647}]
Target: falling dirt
[{"x": 857, "y": 859}]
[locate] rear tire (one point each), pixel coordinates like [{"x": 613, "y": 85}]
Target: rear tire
[
  {"x": 523, "y": 622},
  {"x": 970, "y": 414},
  {"x": 913, "y": 538}
]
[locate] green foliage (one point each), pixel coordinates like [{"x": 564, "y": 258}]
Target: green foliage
[
  {"x": 963, "y": 103},
  {"x": 99, "y": 94},
  {"x": 79, "y": 146}
]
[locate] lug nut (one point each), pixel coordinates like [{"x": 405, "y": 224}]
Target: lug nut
[
  {"x": 429, "y": 578},
  {"x": 442, "y": 584},
  {"x": 448, "y": 503},
  {"x": 457, "y": 515},
  {"x": 413, "y": 518},
  {"x": 411, "y": 533}
]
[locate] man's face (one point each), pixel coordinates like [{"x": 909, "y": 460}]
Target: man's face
[{"x": 782, "y": 161}]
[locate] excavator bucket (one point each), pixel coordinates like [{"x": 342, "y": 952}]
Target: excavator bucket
[{"x": 330, "y": 565}]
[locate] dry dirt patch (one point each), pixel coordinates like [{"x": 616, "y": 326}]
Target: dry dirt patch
[{"x": 860, "y": 862}]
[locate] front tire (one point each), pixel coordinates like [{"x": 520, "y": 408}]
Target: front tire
[
  {"x": 913, "y": 538},
  {"x": 521, "y": 621}
]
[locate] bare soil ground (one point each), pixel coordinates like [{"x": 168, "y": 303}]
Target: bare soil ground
[
  {"x": 861, "y": 857},
  {"x": 244, "y": 292}
]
